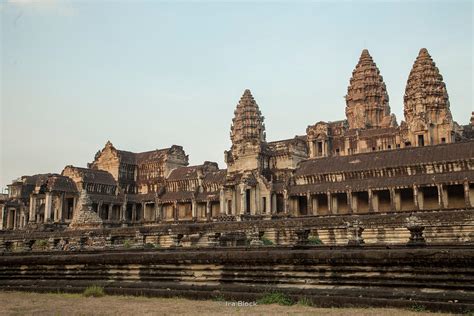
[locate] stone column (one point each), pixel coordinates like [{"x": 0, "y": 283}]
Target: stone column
[
  {"x": 371, "y": 200},
  {"x": 329, "y": 197},
  {"x": 441, "y": 200},
  {"x": 142, "y": 214},
  {"x": 47, "y": 208},
  {"x": 208, "y": 210},
  {"x": 243, "y": 201},
  {"x": 32, "y": 216},
  {"x": 418, "y": 198},
  {"x": 274, "y": 203},
  {"x": 316, "y": 206},
  {"x": 285, "y": 201},
  {"x": 175, "y": 211},
  {"x": 99, "y": 209},
  {"x": 2, "y": 217},
  {"x": 134, "y": 212},
  {"x": 61, "y": 208},
  {"x": 194, "y": 208},
  {"x": 234, "y": 202},
  {"x": 393, "y": 203},
  {"x": 221, "y": 202},
  {"x": 349, "y": 201},
  {"x": 309, "y": 203},
  {"x": 466, "y": 194},
  {"x": 110, "y": 212}
]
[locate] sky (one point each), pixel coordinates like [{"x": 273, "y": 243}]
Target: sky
[{"x": 150, "y": 74}]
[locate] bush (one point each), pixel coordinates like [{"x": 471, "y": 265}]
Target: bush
[
  {"x": 127, "y": 243},
  {"x": 314, "y": 241},
  {"x": 267, "y": 242},
  {"x": 149, "y": 245},
  {"x": 275, "y": 298},
  {"x": 94, "y": 291},
  {"x": 41, "y": 244}
]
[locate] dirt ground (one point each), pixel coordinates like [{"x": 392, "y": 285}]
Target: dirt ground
[{"x": 19, "y": 303}]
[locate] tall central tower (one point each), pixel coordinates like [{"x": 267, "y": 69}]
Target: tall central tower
[
  {"x": 247, "y": 134},
  {"x": 367, "y": 98}
]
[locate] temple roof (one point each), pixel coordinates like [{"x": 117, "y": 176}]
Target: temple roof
[
  {"x": 388, "y": 159},
  {"x": 92, "y": 175},
  {"x": 247, "y": 125}
]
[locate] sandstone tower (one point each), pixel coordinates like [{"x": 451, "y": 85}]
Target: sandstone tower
[
  {"x": 247, "y": 135},
  {"x": 426, "y": 110},
  {"x": 367, "y": 98}
]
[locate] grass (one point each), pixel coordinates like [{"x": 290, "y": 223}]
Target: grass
[
  {"x": 127, "y": 243},
  {"x": 418, "y": 308},
  {"x": 94, "y": 291},
  {"x": 304, "y": 301},
  {"x": 41, "y": 244},
  {"x": 275, "y": 298}
]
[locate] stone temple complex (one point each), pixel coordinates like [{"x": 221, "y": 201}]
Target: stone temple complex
[
  {"x": 365, "y": 163},
  {"x": 367, "y": 181}
]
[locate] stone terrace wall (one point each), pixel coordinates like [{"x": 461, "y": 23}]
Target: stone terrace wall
[
  {"x": 438, "y": 278},
  {"x": 439, "y": 227}
]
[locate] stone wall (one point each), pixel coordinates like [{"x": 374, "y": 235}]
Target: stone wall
[{"x": 436, "y": 278}]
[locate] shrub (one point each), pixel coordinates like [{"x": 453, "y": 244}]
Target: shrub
[
  {"x": 149, "y": 245},
  {"x": 127, "y": 243},
  {"x": 41, "y": 244},
  {"x": 314, "y": 241},
  {"x": 94, "y": 291},
  {"x": 275, "y": 298},
  {"x": 418, "y": 308},
  {"x": 267, "y": 242}
]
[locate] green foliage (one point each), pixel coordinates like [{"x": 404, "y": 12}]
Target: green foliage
[
  {"x": 418, "y": 308},
  {"x": 149, "y": 245},
  {"x": 41, "y": 244},
  {"x": 127, "y": 243},
  {"x": 314, "y": 241},
  {"x": 267, "y": 242},
  {"x": 275, "y": 298},
  {"x": 94, "y": 291},
  {"x": 304, "y": 301},
  {"x": 219, "y": 298}
]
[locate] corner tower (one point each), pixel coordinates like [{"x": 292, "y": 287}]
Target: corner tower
[
  {"x": 367, "y": 98},
  {"x": 247, "y": 134},
  {"x": 426, "y": 104}
]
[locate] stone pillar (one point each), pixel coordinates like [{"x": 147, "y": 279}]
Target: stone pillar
[
  {"x": 208, "y": 210},
  {"x": 47, "y": 208},
  {"x": 441, "y": 199},
  {"x": 329, "y": 197},
  {"x": 371, "y": 200},
  {"x": 194, "y": 208},
  {"x": 142, "y": 214},
  {"x": 110, "y": 212},
  {"x": 32, "y": 216},
  {"x": 466, "y": 194},
  {"x": 221, "y": 202},
  {"x": 393, "y": 202},
  {"x": 285, "y": 201},
  {"x": 274, "y": 203},
  {"x": 234, "y": 202},
  {"x": 243, "y": 201},
  {"x": 418, "y": 198},
  {"x": 2, "y": 217},
  {"x": 349, "y": 201},
  {"x": 309, "y": 203},
  {"x": 61, "y": 208},
  {"x": 134, "y": 212},
  {"x": 175, "y": 211},
  {"x": 316, "y": 206},
  {"x": 99, "y": 209}
]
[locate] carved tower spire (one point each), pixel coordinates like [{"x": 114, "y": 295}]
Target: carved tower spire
[
  {"x": 247, "y": 134},
  {"x": 367, "y": 98},
  {"x": 247, "y": 124},
  {"x": 426, "y": 101}
]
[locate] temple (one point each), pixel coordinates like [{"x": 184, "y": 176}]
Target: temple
[{"x": 365, "y": 164}]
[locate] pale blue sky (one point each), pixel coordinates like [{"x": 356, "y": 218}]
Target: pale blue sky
[{"x": 149, "y": 74}]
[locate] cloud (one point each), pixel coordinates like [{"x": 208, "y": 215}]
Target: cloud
[{"x": 55, "y": 7}]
